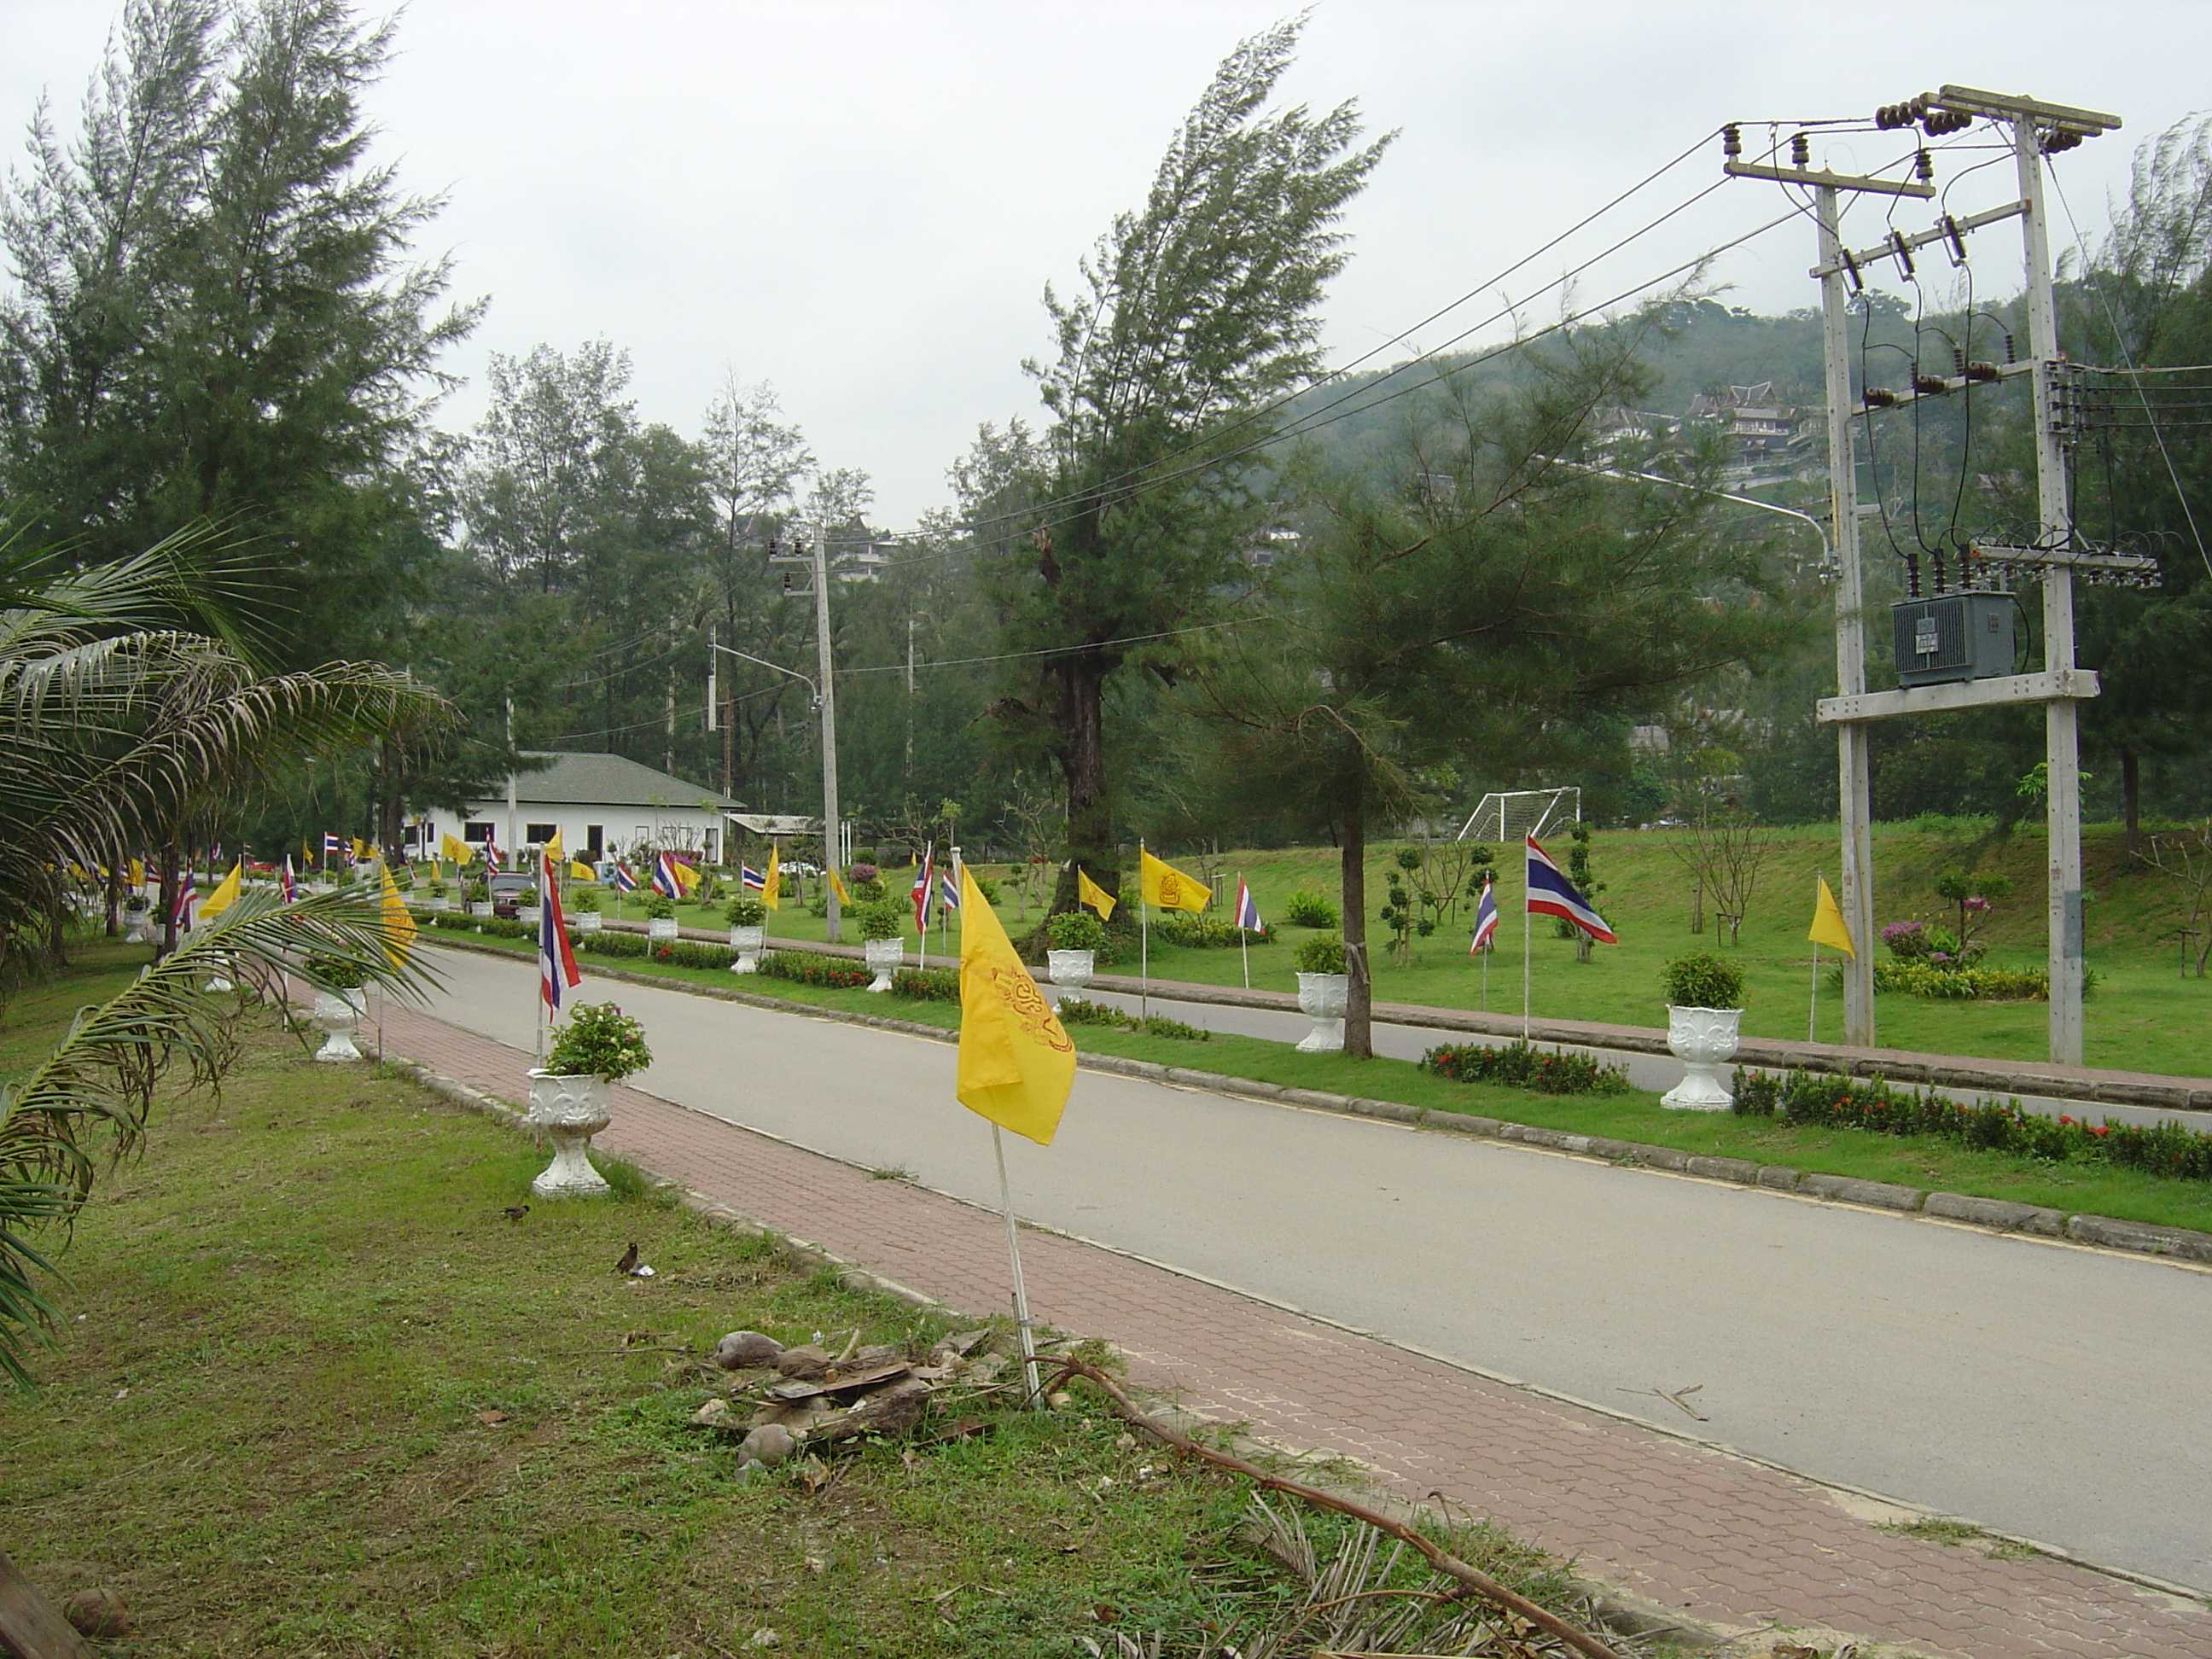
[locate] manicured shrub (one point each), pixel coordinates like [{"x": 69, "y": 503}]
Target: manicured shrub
[
  {"x": 1321, "y": 954},
  {"x": 813, "y": 967},
  {"x": 745, "y": 913},
  {"x": 1160, "y": 1025},
  {"x": 1076, "y": 930},
  {"x": 927, "y": 984},
  {"x": 1074, "y": 1011},
  {"x": 1204, "y": 933},
  {"x": 1702, "y": 980},
  {"x": 1307, "y": 908},
  {"x": 884, "y": 918},
  {"x": 1517, "y": 1065},
  {"x": 599, "y": 1040}
]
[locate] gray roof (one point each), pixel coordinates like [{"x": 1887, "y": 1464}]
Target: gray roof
[{"x": 575, "y": 779}]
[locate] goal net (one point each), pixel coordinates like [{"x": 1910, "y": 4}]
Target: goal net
[{"x": 1508, "y": 815}]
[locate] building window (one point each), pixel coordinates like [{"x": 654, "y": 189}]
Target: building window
[
  {"x": 536, "y": 835},
  {"x": 478, "y": 833},
  {"x": 595, "y": 842}
]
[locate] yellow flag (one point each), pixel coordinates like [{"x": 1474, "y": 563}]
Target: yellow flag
[
  {"x": 399, "y": 926},
  {"x": 225, "y": 894},
  {"x": 686, "y": 876},
  {"x": 360, "y": 849},
  {"x": 1089, "y": 892},
  {"x": 1168, "y": 887},
  {"x": 456, "y": 850},
  {"x": 137, "y": 873},
  {"x": 772, "y": 882},
  {"x": 553, "y": 850},
  {"x": 838, "y": 887},
  {"x": 1828, "y": 922},
  {"x": 1016, "y": 1062},
  {"x": 581, "y": 871}
]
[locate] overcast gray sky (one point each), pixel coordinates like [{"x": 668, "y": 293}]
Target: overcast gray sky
[{"x": 861, "y": 202}]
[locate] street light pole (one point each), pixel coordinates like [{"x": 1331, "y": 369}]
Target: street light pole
[{"x": 826, "y": 696}]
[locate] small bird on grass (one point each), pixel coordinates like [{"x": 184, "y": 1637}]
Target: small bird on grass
[
  {"x": 515, "y": 1211},
  {"x": 628, "y": 1260}
]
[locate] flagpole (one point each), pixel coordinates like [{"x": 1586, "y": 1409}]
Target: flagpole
[
  {"x": 1021, "y": 1292},
  {"x": 1243, "y": 939},
  {"x": 1144, "y": 941},
  {"x": 1528, "y": 926},
  {"x": 1813, "y": 1006}
]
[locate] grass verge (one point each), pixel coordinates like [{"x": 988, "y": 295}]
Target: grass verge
[
  {"x": 1906, "y": 1160},
  {"x": 319, "y": 1397}
]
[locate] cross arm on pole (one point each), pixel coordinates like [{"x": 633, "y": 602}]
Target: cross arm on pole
[{"x": 731, "y": 650}]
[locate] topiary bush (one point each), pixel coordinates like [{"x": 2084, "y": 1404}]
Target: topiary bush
[
  {"x": 1076, "y": 930},
  {"x": 1321, "y": 954},
  {"x": 1702, "y": 980},
  {"x": 1307, "y": 908}
]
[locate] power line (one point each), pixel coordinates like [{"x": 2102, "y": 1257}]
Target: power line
[{"x": 1064, "y": 650}]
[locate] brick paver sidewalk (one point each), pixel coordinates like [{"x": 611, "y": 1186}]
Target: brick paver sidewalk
[{"x": 1727, "y": 1541}]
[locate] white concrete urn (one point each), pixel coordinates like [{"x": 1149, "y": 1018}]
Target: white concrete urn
[
  {"x": 660, "y": 928},
  {"x": 438, "y": 901},
  {"x": 1070, "y": 971},
  {"x": 588, "y": 921},
  {"x": 529, "y": 915},
  {"x": 1703, "y": 1039},
  {"x": 883, "y": 957},
  {"x": 337, "y": 1013},
  {"x": 748, "y": 943},
  {"x": 569, "y": 1109},
  {"x": 138, "y": 926},
  {"x": 479, "y": 907},
  {"x": 1322, "y": 999}
]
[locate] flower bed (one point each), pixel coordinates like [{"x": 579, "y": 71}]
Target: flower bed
[
  {"x": 1825, "y": 1102},
  {"x": 811, "y": 968},
  {"x": 1202, "y": 932},
  {"x": 1930, "y": 979},
  {"x": 1517, "y": 1065},
  {"x": 927, "y": 984}
]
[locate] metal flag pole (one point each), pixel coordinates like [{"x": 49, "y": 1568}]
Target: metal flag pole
[
  {"x": 1485, "y": 977},
  {"x": 546, "y": 876},
  {"x": 1144, "y": 941},
  {"x": 1813, "y": 1008},
  {"x": 1021, "y": 1292},
  {"x": 1527, "y": 928},
  {"x": 1243, "y": 939}
]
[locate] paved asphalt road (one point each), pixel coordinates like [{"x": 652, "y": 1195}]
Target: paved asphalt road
[{"x": 2035, "y": 1387}]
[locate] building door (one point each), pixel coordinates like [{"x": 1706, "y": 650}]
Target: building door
[{"x": 595, "y": 842}]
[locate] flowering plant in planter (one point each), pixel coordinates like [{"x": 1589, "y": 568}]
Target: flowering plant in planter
[
  {"x": 336, "y": 974},
  {"x": 746, "y": 913},
  {"x": 1076, "y": 930},
  {"x": 581, "y": 901},
  {"x": 881, "y": 920},
  {"x": 525, "y": 898},
  {"x": 137, "y": 902},
  {"x": 599, "y": 1040},
  {"x": 479, "y": 892},
  {"x": 660, "y": 908},
  {"x": 1702, "y": 980},
  {"x": 1321, "y": 954}
]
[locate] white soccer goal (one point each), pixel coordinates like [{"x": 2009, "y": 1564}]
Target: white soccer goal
[{"x": 1505, "y": 817}]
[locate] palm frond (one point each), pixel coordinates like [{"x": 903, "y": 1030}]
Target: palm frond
[{"x": 100, "y": 1084}]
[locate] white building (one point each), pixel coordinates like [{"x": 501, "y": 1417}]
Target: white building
[{"x": 604, "y": 805}]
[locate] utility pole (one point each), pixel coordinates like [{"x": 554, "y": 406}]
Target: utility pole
[
  {"x": 909, "y": 697},
  {"x": 510, "y": 775},
  {"x": 831, "y": 825},
  {"x": 2035, "y": 129}
]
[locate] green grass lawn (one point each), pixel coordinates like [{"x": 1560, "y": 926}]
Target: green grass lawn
[
  {"x": 1912, "y": 1161},
  {"x": 316, "y": 1396}
]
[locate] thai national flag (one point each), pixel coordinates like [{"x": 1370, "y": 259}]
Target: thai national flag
[
  {"x": 556, "y": 959},
  {"x": 923, "y": 888},
  {"x": 622, "y": 880},
  {"x": 330, "y": 846},
  {"x": 948, "y": 890},
  {"x": 1550, "y": 894},
  {"x": 187, "y": 905},
  {"x": 291, "y": 887},
  {"x": 752, "y": 880},
  {"x": 1248, "y": 913},
  {"x": 1486, "y": 922},
  {"x": 664, "y": 877}
]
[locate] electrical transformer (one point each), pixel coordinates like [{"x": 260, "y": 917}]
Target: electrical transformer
[{"x": 1952, "y": 637}]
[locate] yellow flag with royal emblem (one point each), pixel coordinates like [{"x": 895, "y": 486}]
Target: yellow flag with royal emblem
[
  {"x": 1163, "y": 884},
  {"x": 553, "y": 850},
  {"x": 837, "y": 886},
  {"x": 453, "y": 850},
  {"x": 399, "y": 926},
  {"x": 1016, "y": 1063},
  {"x": 772, "y": 882},
  {"x": 1828, "y": 926},
  {"x": 1089, "y": 892},
  {"x": 137, "y": 873},
  {"x": 581, "y": 871},
  {"x": 225, "y": 894}
]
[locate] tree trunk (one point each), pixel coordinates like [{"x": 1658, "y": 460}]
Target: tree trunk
[
  {"x": 168, "y": 898},
  {"x": 2131, "y": 799},
  {"x": 1079, "y": 721},
  {"x": 1359, "y": 991},
  {"x": 114, "y": 893}
]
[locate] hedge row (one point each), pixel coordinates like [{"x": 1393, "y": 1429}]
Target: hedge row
[
  {"x": 927, "y": 984},
  {"x": 813, "y": 967},
  {"x": 1825, "y": 1102},
  {"x": 1517, "y": 1065},
  {"x": 1204, "y": 933}
]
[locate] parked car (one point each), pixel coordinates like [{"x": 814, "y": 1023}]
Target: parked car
[{"x": 505, "y": 885}]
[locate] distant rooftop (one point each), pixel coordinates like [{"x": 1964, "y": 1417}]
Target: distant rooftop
[{"x": 574, "y": 779}]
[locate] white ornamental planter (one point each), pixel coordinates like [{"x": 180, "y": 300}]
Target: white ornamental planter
[
  {"x": 883, "y": 957},
  {"x": 479, "y": 907},
  {"x": 1322, "y": 999},
  {"x": 660, "y": 928},
  {"x": 588, "y": 921},
  {"x": 529, "y": 915},
  {"x": 137, "y": 924},
  {"x": 570, "y": 1109},
  {"x": 1069, "y": 970},
  {"x": 438, "y": 901},
  {"x": 747, "y": 942},
  {"x": 1701, "y": 1039},
  {"x": 336, "y": 1015}
]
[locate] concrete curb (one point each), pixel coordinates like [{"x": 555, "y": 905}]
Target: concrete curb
[
  {"x": 1989, "y": 1214},
  {"x": 1617, "y": 1611}
]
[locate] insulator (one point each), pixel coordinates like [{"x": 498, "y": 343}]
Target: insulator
[
  {"x": 1878, "y": 397},
  {"x": 1923, "y": 165},
  {"x": 1981, "y": 371},
  {"x": 1731, "y": 141},
  {"x": 1958, "y": 361},
  {"x": 1801, "y": 151},
  {"x": 2011, "y": 357},
  {"x": 2057, "y": 139},
  {"x": 1891, "y": 116},
  {"x": 1931, "y": 386},
  {"x": 1912, "y": 575},
  {"x": 1851, "y": 267},
  {"x": 1958, "y": 242},
  {"x": 1904, "y": 253},
  {"x": 1936, "y": 555}
]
